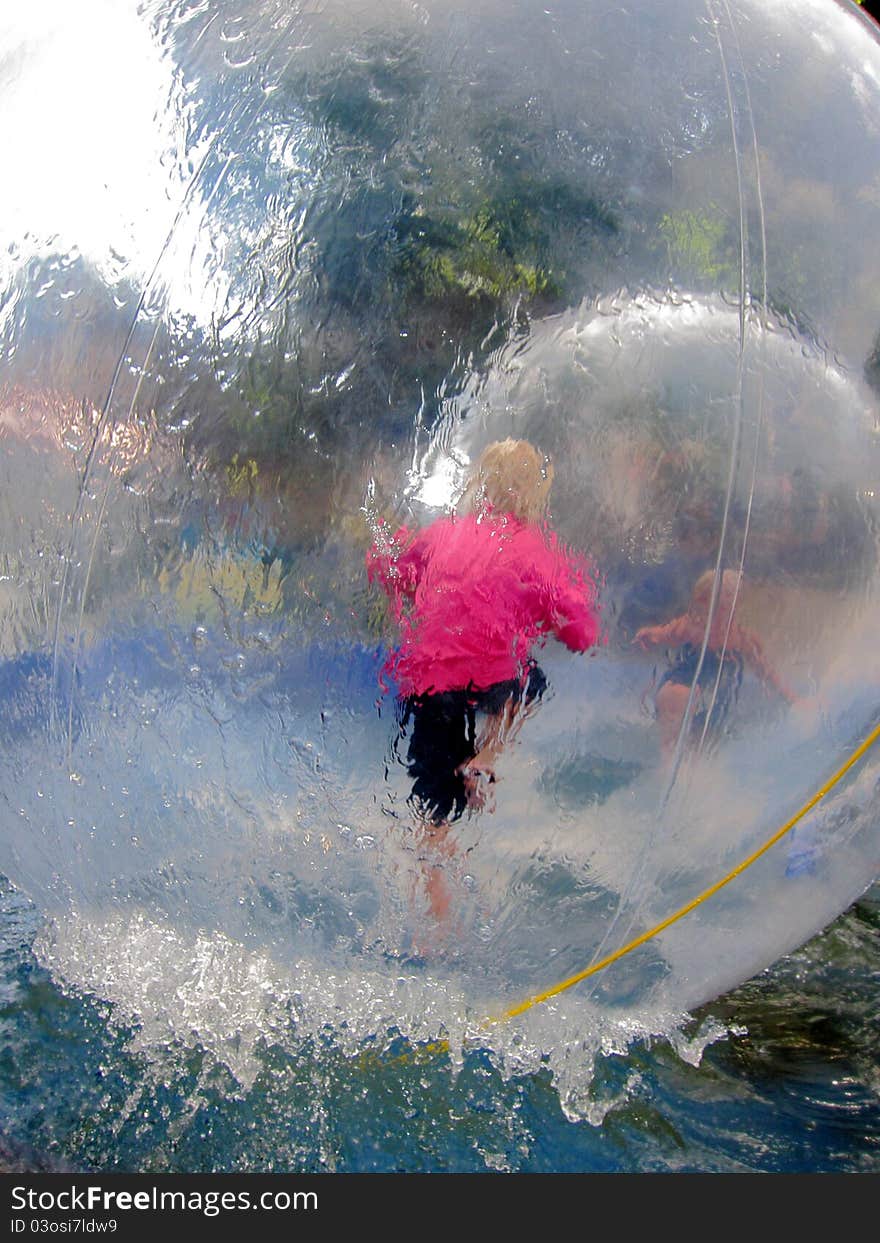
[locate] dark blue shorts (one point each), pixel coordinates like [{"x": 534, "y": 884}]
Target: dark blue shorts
[
  {"x": 442, "y": 737},
  {"x": 727, "y": 673}
]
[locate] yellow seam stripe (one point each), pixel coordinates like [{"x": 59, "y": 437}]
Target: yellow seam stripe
[
  {"x": 442, "y": 1045},
  {"x": 538, "y": 998}
]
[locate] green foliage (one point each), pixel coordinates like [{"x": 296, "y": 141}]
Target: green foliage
[
  {"x": 474, "y": 222},
  {"x": 697, "y": 246},
  {"x": 480, "y": 255},
  {"x": 505, "y": 246}
]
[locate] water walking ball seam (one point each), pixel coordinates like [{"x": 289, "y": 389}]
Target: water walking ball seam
[
  {"x": 442, "y": 1046},
  {"x": 563, "y": 985}
]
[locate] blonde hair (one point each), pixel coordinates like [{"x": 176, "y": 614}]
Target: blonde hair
[
  {"x": 702, "y": 592},
  {"x": 512, "y": 477}
]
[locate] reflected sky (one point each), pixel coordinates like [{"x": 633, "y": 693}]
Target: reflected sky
[
  {"x": 97, "y": 137},
  {"x": 80, "y": 82}
]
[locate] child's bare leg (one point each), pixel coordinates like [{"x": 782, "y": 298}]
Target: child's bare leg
[
  {"x": 435, "y": 838},
  {"x": 671, "y": 704},
  {"x": 439, "y": 896}
]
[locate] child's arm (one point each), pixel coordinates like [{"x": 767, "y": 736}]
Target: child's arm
[
  {"x": 670, "y": 635},
  {"x": 571, "y": 602},
  {"x": 576, "y": 624},
  {"x": 395, "y": 560}
]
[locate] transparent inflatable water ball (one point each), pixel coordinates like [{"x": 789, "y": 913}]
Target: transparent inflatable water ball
[{"x": 272, "y": 279}]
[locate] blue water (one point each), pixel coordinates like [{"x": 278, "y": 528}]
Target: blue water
[{"x": 790, "y": 1084}]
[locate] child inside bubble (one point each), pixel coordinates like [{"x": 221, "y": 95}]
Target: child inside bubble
[
  {"x": 716, "y": 679},
  {"x": 473, "y": 594}
]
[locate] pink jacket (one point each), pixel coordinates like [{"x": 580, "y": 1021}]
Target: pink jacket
[{"x": 473, "y": 595}]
